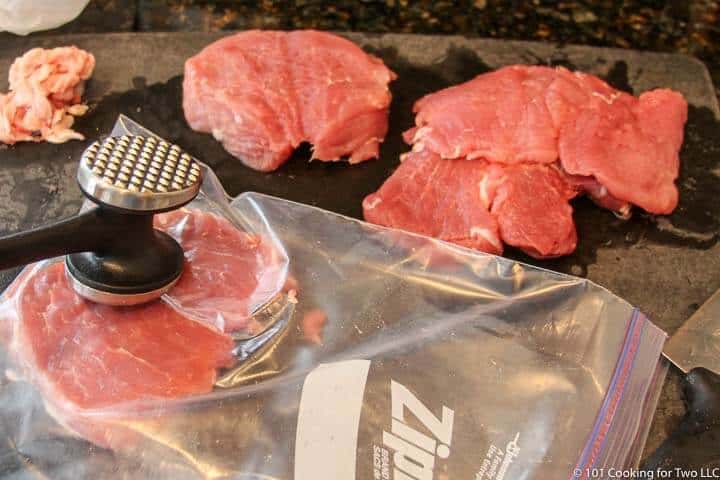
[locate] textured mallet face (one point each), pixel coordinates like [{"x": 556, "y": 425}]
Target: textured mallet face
[
  {"x": 141, "y": 164},
  {"x": 127, "y": 171}
]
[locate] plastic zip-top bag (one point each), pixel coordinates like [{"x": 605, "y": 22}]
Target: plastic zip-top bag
[{"x": 304, "y": 344}]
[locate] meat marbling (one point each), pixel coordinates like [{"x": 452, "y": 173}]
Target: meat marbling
[
  {"x": 522, "y": 114},
  {"x": 478, "y": 204},
  {"x": 439, "y": 198},
  {"x": 262, "y": 93},
  {"x": 87, "y": 359},
  {"x": 531, "y": 205},
  {"x": 510, "y": 148},
  {"x": 630, "y": 146},
  {"x": 228, "y": 273},
  {"x": 495, "y": 116},
  {"x": 84, "y": 356}
]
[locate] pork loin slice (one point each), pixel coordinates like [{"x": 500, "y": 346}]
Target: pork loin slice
[
  {"x": 627, "y": 146},
  {"x": 88, "y": 359},
  {"x": 228, "y": 273},
  {"x": 343, "y": 95},
  {"x": 240, "y": 90},
  {"x": 499, "y": 117},
  {"x": 85, "y": 356},
  {"x": 532, "y": 208},
  {"x": 439, "y": 198},
  {"x": 630, "y": 146},
  {"x": 262, "y": 93},
  {"x": 478, "y": 204}
]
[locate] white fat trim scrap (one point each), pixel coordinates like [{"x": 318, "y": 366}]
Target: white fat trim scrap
[
  {"x": 609, "y": 100},
  {"x": 484, "y": 194}
]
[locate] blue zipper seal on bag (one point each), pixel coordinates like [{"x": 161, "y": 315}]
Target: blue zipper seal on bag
[{"x": 613, "y": 397}]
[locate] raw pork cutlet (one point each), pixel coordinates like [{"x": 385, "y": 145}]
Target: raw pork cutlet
[
  {"x": 46, "y": 87},
  {"x": 499, "y": 116},
  {"x": 262, "y": 93},
  {"x": 240, "y": 89},
  {"x": 478, "y": 204},
  {"x": 228, "y": 273},
  {"x": 531, "y": 205},
  {"x": 84, "y": 356},
  {"x": 630, "y": 146},
  {"x": 439, "y": 198},
  {"x": 526, "y": 114},
  {"x": 343, "y": 95}
]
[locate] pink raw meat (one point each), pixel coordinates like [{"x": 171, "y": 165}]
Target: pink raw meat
[
  {"x": 439, "y": 198},
  {"x": 262, "y": 93},
  {"x": 228, "y": 273},
  {"x": 526, "y": 114},
  {"x": 572, "y": 92},
  {"x": 499, "y": 116},
  {"x": 85, "y": 356},
  {"x": 342, "y": 93},
  {"x": 240, "y": 89},
  {"x": 630, "y": 147},
  {"x": 519, "y": 143},
  {"x": 531, "y": 205},
  {"x": 476, "y": 204},
  {"x": 46, "y": 87}
]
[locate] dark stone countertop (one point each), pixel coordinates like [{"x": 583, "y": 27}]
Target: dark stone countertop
[{"x": 691, "y": 27}]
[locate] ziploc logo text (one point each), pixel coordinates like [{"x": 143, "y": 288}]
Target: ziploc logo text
[{"x": 416, "y": 452}]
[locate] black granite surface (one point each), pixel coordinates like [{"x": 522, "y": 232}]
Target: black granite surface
[{"x": 691, "y": 27}]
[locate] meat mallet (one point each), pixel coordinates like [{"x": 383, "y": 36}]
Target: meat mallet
[{"x": 113, "y": 254}]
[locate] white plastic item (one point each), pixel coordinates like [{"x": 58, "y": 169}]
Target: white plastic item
[{"x": 26, "y": 16}]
